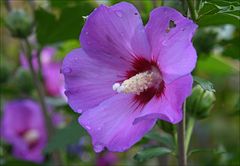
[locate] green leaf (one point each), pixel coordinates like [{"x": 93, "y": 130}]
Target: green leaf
[
  {"x": 64, "y": 3},
  {"x": 217, "y": 66},
  {"x": 13, "y": 161},
  {"x": 2, "y": 23},
  {"x": 219, "y": 12},
  {"x": 66, "y": 136},
  {"x": 65, "y": 48},
  {"x": 206, "y": 85},
  {"x": 166, "y": 126},
  {"x": 219, "y": 19},
  {"x": 163, "y": 138},
  {"x": 149, "y": 153},
  {"x": 231, "y": 48},
  {"x": 68, "y": 26},
  {"x": 213, "y": 151}
]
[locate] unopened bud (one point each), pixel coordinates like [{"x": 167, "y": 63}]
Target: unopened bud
[
  {"x": 200, "y": 103},
  {"x": 19, "y": 23}
]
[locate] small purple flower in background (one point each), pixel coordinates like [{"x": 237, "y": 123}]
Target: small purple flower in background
[
  {"x": 23, "y": 126},
  {"x": 107, "y": 159},
  {"x": 126, "y": 76},
  {"x": 53, "y": 80}
]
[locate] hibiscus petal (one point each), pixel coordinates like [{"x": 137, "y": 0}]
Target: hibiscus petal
[
  {"x": 53, "y": 80},
  {"x": 88, "y": 81},
  {"x": 170, "y": 35},
  {"x": 111, "y": 124},
  {"x": 169, "y": 106},
  {"x": 116, "y": 31},
  {"x": 20, "y": 116}
]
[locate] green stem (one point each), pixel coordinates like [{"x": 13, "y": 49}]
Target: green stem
[
  {"x": 182, "y": 157},
  {"x": 39, "y": 61},
  {"x": 192, "y": 10},
  {"x": 190, "y": 127},
  {"x": 39, "y": 89}
]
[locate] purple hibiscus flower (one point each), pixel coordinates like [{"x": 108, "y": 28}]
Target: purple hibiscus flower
[
  {"x": 23, "y": 126},
  {"x": 53, "y": 80},
  {"x": 126, "y": 76}
]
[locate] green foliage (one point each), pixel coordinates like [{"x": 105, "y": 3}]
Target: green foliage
[
  {"x": 219, "y": 12},
  {"x": 210, "y": 151},
  {"x": 5, "y": 73},
  {"x": 215, "y": 65},
  {"x": 149, "y": 153},
  {"x": 24, "y": 81},
  {"x": 163, "y": 138},
  {"x": 65, "y": 48},
  {"x": 19, "y": 23},
  {"x": 166, "y": 126},
  {"x": 15, "y": 162},
  {"x": 1, "y": 22},
  {"x": 231, "y": 46},
  {"x": 66, "y": 136},
  {"x": 66, "y": 3},
  {"x": 68, "y": 26},
  {"x": 200, "y": 103},
  {"x": 206, "y": 85},
  {"x": 204, "y": 42}
]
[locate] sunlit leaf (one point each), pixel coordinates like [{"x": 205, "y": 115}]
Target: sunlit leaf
[
  {"x": 65, "y": 48},
  {"x": 216, "y": 65},
  {"x": 219, "y": 12}
]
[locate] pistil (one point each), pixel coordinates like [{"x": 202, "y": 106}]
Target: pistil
[{"x": 139, "y": 82}]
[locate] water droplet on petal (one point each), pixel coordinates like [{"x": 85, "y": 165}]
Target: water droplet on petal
[
  {"x": 79, "y": 111},
  {"x": 98, "y": 148},
  {"x": 66, "y": 70},
  {"x": 88, "y": 127},
  {"x": 164, "y": 43},
  {"x": 118, "y": 13}
]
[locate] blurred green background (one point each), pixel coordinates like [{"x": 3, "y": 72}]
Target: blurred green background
[{"x": 58, "y": 23}]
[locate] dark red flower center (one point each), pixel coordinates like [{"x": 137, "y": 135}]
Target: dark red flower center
[
  {"x": 30, "y": 136},
  {"x": 144, "y": 80}
]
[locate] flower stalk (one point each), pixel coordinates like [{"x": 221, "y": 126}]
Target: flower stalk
[
  {"x": 192, "y": 10},
  {"x": 182, "y": 157},
  {"x": 189, "y": 130},
  {"x": 39, "y": 88},
  {"x": 35, "y": 75}
]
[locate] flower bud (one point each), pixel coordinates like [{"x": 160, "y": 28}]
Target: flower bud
[
  {"x": 19, "y": 23},
  {"x": 200, "y": 103}
]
